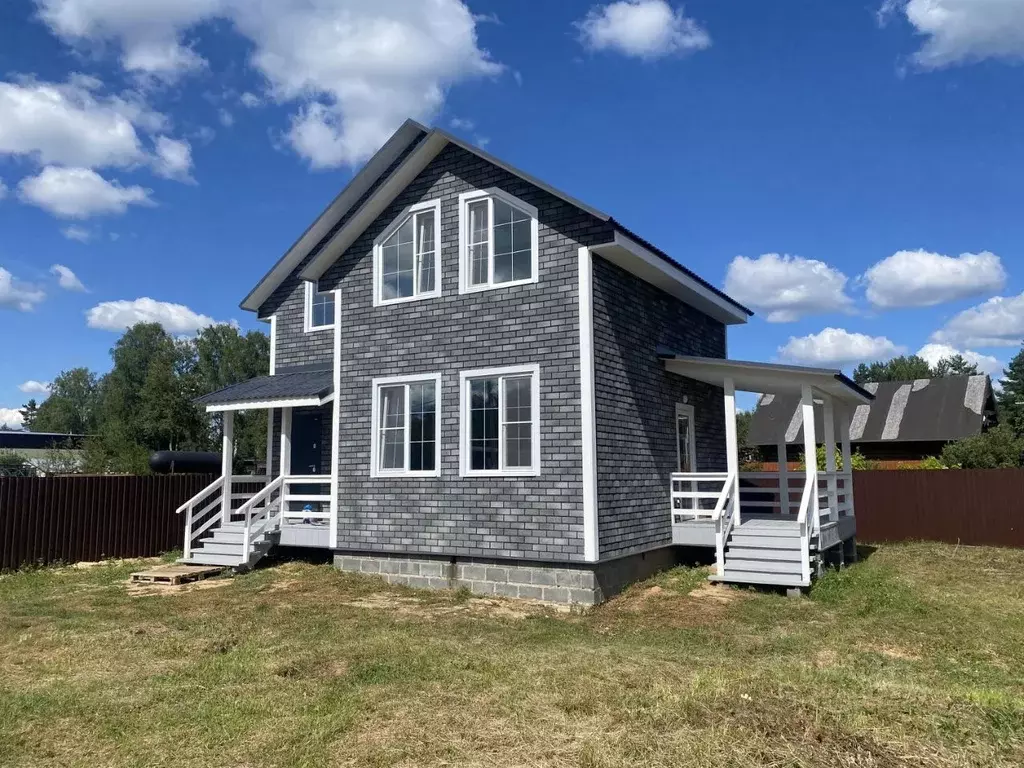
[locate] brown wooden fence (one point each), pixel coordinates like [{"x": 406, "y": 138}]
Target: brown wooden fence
[
  {"x": 969, "y": 506},
  {"x": 70, "y": 519}
]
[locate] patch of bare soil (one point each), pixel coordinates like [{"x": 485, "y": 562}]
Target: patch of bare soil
[
  {"x": 717, "y": 593},
  {"x": 137, "y": 589},
  {"x": 405, "y": 606},
  {"x": 85, "y": 565},
  {"x": 891, "y": 652}
]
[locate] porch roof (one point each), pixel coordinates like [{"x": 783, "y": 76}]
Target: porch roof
[
  {"x": 285, "y": 390},
  {"x": 766, "y": 378}
]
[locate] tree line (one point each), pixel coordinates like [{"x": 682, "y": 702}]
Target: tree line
[{"x": 146, "y": 402}]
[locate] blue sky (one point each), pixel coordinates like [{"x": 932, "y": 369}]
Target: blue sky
[{"x": 850, "y": 170}]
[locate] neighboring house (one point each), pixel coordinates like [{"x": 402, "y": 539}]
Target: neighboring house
[
  {"x": 45, "y": 452},
  {"x": 907, "y": 421},
  {"x": 478, "y": 380}
]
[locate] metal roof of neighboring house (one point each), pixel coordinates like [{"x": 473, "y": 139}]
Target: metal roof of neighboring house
[
  {"x": 311, "y": 386},
  {"x": 39, "y": 440},
  {"x": 425, "y": 145},
  {"x": 925, "y": 410}
]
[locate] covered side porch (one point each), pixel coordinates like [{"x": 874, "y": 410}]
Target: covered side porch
[
  {"x": 775, "y": 528},
  {"x": 237, "y": 519}
]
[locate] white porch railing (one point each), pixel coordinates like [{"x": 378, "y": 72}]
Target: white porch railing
[
  {"x": 205, "y": 509},
  {"x": 314, "y": 506},
  {"x": 691, "y": 489}
]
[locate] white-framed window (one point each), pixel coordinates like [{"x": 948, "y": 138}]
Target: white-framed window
[
  {"x": 498, "y": 240},
  {"x": 686, "y": 438},
  {"x": 407, "y": 256},
  {"x": 406, "y": 420},
  {"x": 319, "y": 311},
  {"x": 500, "y": 421}
]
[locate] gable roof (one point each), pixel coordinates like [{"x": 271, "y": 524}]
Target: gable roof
[
  {"x": 925, "y": 410},
  {"x": 362, "y": 209}
]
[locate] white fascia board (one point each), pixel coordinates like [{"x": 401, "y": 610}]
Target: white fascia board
[
  {"x": 625, "y": 252},
  {"x": 361, "y": 182},
  {"x": 259, "y": 405},
  {"x": 374, "y": 206}
]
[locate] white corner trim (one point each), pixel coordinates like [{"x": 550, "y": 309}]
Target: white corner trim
[
  {"x": 375, "y": 385},
  {"x": 273, "y": 344},
  {"x": 533, "y": 370},
  {"x": 491, "y": 193},
  {"x": 378, "y": 254},
  {"x": 307, "y": 309},
  {"x": 588, "y": 417},
  {"x": 335, "y": 418}
]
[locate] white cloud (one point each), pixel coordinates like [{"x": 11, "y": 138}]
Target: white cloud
[
  {"x": 357, "y": 68},
  {"x": 787, "y": 287},
  {"x": 173, "y": 159},
  {"x": 923, "y": 279},
  {"x": 461, "y": 124},
  {"x": 3, "y": 189},
  {"x": 226, "y": 118},
  {"x": 250, "y": 100},
  {"x": 118, "y": 315},
  {"x": 33, "y": 387},
  {"x": 81, "y": 234},
  {"x": 933, "y": 353},
  {"x": 67, "y": 279},
  {"x": 644, "y": 28},
  {"x": 68, "y": 124},
  {"x": 998, "y": 322},
  {"x": 960, "y": 31},
  {"x": 15, "y": 294},
  {"x": 837, "y": 347},
  {"x": 11, "y": 418},
  {"x": 78, "y": 193}
]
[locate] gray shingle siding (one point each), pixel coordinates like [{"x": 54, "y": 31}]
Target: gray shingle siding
[
  {"x": 536, "y": 518},
  {"x": 635, "y": 401}
]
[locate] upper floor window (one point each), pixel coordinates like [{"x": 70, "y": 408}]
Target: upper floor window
[
  {"x": 406, "y": 256},
  {"x": 498, "y": 236},
  {"x": 319, "y": 307}
]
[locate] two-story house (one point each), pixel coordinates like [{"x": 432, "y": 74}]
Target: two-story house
[{"x": 479, "y": 380}]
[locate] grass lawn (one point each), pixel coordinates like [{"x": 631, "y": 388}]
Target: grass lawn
[{"x": 913, "y": 657}]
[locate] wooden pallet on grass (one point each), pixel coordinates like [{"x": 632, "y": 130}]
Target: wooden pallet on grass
[{"x": 173, "y": 575}]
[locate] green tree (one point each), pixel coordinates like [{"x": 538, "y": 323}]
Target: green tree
[
  {"x": 1011, "y": 398},
  {"x": 28, "y": 414},
  {"x": 71, "y": 406},
  {"x": 903, "y": 368},
  {"x": 997, "y": 448},
  {"x": 956, "y": 365},
  {"x": 13, "y": 464}
]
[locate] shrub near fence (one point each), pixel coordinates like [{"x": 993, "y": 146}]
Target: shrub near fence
[
  {"x": 969, "y": 506},
  {"x": 90, "y": 517}
]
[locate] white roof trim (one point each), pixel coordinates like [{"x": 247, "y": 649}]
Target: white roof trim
[
  {"x": 766, "y": 378},
  {"x": 409, "y": 132},
  {"x": 625, "y": 252},
  {"x": 375, "y": 205},
  {"x": 281, "y": 402}
]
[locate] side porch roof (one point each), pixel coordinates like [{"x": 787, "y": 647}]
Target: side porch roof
[
  {"x": 284, "y": 390},
  {"x": 766, "y": 378}
]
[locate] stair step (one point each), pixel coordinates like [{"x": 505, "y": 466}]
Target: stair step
[
  {"x": 770, "y": 554},
  {"x": 220, "y": 548},
  {"x": 199, "y": 558},
  {"x": 780, "y": 531},
  {"x": 761, "y": 566},
  {"x": 225, "y": 536},
  {"x": 775, "y": 542},
  {"x": 774, "y": 579}
]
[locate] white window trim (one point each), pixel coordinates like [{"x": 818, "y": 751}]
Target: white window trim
[
  {"x": 464, "y": 268},
  {"x": 687, "y": 410},
  {"x": 375, "y": 470},
  {"x": 307, "y": 310},
  {"x": 378, "y": 254},
  {"x": 464, "y": 421}
]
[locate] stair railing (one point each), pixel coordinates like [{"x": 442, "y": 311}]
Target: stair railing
[
  {"x": 197, "y": 522},
  {"x": 725, "y": 515},
  {"x": 259, "y": 512},
  {"x": 808, "y": 524}
]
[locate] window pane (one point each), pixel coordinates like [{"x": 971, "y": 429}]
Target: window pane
[
  {"x": 422, "y": 410},
  {"x": 478, "y": 263},
  {"x": 425, "y": 231},
  {"x": 503, "y": 238},
  {"x": 502, "y": 212},
  {"x": 502, "y": 267},
  {"x": 478, "y": 242},
  {"x": 683, "y": 427},
  {"x": 517, "y": 399},
  {"x": 389, "y": 290},
  {"x": 392, "y": 411},
  {"x": 518, "y": 445},
  {"x": 321, "y": 308},
  {"x": 393, "y": 449},
  {"x": 484, "y": 424}
]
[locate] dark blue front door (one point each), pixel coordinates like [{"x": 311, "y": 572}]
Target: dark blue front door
[{"x": 306, "y": 438}]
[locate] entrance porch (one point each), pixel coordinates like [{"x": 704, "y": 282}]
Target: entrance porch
[{"x": 779, "y": 528}]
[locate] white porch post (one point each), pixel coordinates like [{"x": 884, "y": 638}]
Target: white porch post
[
  {"x": 227, "y": 454},
  {"x": 732, "y": 452},
  {"x": 783, "y": 455},
  {"x": 844, "y": 439},
  {"x": 270, "y": 444},
  {"x": 810, "y": 451},
  {"x": 829, "y": 420},
  {"x": 286, "y": 441}
]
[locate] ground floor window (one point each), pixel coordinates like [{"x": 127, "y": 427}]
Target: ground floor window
[
  {"x": 405, "y": 419},
  {"x": 500, "y": 424}
]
